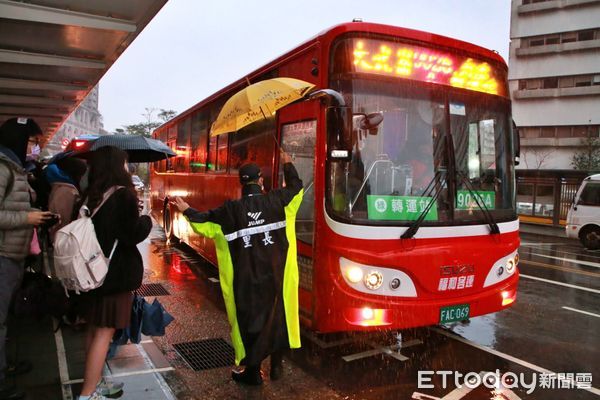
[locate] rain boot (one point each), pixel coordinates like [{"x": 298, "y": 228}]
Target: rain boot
[
  {"x": 276, "y": 366},
  {"x": 251, "y": 375}
]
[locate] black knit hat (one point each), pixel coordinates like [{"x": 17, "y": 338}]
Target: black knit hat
[
  {"x": 249, "y": 173},
  {"x": 22, "y": 125},
  {"x": 15, "y": 133}
]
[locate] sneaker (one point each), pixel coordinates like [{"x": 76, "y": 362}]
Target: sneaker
[
  {"x": 97, "y": 396},
  {"x": 10, "y": 392},
  {"x": 94, "y": 396},
  {"x": 20, "y": 368},
  {"x": 109, "y": 388}
]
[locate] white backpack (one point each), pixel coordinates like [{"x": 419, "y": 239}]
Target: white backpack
[{"x": 79, "y": 262}]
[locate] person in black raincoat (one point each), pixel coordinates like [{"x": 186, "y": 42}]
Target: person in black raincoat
[{"x": 256, "y": 251}]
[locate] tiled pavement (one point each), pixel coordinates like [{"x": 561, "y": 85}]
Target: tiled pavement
[{"x": 58, "y": 363}]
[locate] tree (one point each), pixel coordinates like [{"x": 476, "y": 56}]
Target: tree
[
  {"x": 540, "y": 156},
  {"x": 142, "y": 128},
  {"x": 146, "y": 127},
  {"x": 166, "y": 115},
  {"x": 588, "y": 159}
]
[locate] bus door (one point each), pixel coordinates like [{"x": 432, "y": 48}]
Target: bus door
[{"x": 298, "y": 136}]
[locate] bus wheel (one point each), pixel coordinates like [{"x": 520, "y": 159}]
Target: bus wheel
[{"x": 590, "y": 237}]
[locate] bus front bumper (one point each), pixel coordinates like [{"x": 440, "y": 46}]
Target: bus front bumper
[{"x": 371, "y": 315}]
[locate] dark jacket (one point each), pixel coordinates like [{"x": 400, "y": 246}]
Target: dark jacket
[
  {"x": 119, "y": 218},
  {"x": 256, "y": 251}
]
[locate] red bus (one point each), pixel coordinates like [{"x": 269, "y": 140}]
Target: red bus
[
  {"x": 80, "y": 142},
  {"x": 408, "y": 217}
]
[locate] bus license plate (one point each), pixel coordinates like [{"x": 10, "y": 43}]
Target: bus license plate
[{"x": 455, "y": 313}]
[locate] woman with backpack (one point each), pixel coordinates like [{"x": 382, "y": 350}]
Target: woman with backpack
[
  {"x": 63, "y": 178},
  {"x": 108, "y": 307},
  {"x": 17, "y": 220}
]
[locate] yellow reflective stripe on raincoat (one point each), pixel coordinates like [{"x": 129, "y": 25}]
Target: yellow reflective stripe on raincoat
[
  {"x": 290, "y": 274},
  {"x": 214, "y": 231}
]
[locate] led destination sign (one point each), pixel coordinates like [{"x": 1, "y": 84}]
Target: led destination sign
[{"x": 425, "y": 64}]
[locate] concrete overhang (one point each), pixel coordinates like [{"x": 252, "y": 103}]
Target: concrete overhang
[{"x": 53, "y": 52}]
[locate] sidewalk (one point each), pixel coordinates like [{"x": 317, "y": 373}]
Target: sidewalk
[
  {"x": 58, "y": 363},
  {"x": 544, "y": 230}
]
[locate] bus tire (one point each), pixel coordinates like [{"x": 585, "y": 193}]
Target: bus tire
[{"x": 590, "y": 237}]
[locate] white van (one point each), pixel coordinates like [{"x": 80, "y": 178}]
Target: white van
[{"x": 583, "y": 219}]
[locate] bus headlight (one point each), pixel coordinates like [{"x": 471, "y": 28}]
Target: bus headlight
[
  {"x": 376, "y": 280},
  {"x": 395, "y": 284},
  {"x": 502, "y": 269},
  {"x": 373, "y": 280},
  {"x": 354, "y": 274},
  {"x": 510, "y": 266}
]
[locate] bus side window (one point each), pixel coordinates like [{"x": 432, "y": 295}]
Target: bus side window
[
  {"x": 181, "y": 161},
  {"x": 254, "y": 144},
  {"x": 217, "y": 153},
  {"x": 160, "y": 166},
  {"x": 222, "y": 153},
  {"x": 169, "y": 161},
  {"x": 217, "y": 145},
  {"x": 198, "y": 142},
  {"x": 298, "y": 139}
]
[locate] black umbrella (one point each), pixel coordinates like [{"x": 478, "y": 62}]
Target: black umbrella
[
  {"x": 60, "y": 156},
  {"x": 139, "y": 148}
]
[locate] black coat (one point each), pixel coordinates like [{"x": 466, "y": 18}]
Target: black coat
[
  {"x": 258, "y": 244},
  {"x": 119, "y": 218}
]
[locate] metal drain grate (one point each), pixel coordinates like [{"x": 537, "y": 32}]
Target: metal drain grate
[
  {"x": 152, "y": 289},
  {"x": 206, "y": 354}
]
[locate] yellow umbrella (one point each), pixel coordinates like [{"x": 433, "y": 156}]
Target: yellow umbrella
[{"x": 258, "y": 101}]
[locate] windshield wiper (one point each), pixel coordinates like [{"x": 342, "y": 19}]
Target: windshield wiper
[
  {"x": 366, "y": 179},
  {"x": 494, "y": 229},
  {"x": 435, "y": 186}
]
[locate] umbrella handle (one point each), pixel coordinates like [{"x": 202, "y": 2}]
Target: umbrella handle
[{"x": 276, "y": 141}]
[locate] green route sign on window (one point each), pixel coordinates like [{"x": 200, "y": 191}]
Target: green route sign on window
[
  {"x": 400, "y": 208},
  {"x": 466, "y": 201}
]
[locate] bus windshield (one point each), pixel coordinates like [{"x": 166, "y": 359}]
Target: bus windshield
[{"x": 398, "y": 166}]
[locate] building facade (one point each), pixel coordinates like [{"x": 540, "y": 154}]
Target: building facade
[
  {"x": 554, "y": 78},
  {"x": 86, "y": 119}
]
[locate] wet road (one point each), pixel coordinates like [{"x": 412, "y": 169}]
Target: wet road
[{"x": 550, "y": 334}]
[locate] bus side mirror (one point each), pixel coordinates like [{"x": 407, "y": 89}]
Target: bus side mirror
[
  {"x": 339, "y": 133},
  {"x": 516, "y": 142},
  {"x": 371, "y": 122}
]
